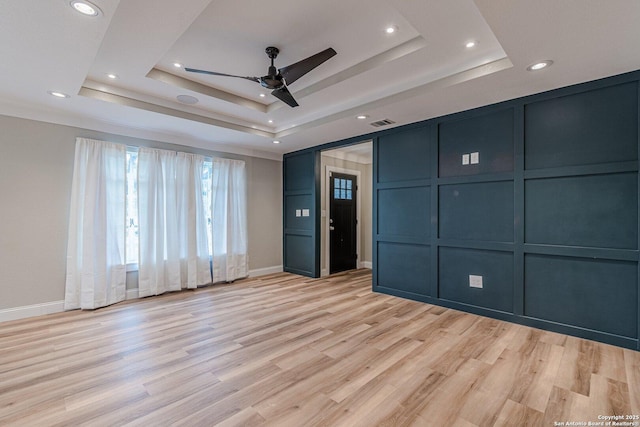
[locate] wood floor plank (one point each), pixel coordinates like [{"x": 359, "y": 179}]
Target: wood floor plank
[{"x": 285, "y": 350}]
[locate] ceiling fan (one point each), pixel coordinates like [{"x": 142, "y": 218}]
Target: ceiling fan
[{"x": 284, "y": 76}]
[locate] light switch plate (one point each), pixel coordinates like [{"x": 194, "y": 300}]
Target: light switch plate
[
  {"x": 475, "y": 158},
  {"x": 475, "y": 281},
  {"x": 305, "y": 212},
  {"x": 298, "y": 212},
  {"x": 465, "y": 159}
]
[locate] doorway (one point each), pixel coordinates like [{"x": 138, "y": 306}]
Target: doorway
[
  {"x": 343, "y": 222},
  {"x": 346, "y": 162}
]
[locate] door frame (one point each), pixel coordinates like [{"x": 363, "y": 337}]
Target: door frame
[{"x": 327, "y": 211}]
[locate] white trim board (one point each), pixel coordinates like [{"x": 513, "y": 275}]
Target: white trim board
[
  {"x": 17, "y": 313},
  {"x": 267, "y": 270}
]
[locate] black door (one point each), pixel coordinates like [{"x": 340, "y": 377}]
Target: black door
[{"x": 342, "y": 222}]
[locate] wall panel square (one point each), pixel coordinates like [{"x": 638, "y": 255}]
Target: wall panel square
[
  {"x": 601, "y": 295},
  {"x": 293, "y": 204},
  {"x": 496, "y": 269},
  {"x": 405, "y": 212},
  {"x": 404, "y": 156},
  {"x": 404, "y": 267},
  {"x": 597, "y": 126},
  {"x": 477, "y": 211},
  {"x": 490, "y": 135},
  {"x": 299, "y": 172},
  {"x": 298, "y": 253},
  {"x": 591, "y": 211}
]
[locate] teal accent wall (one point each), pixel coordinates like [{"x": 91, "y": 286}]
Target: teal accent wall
[
  {"x": 301, "y": 243},
  {"x": 548, "y": 216}
]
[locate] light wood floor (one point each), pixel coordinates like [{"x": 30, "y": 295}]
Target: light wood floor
[{"x": 284, "y": 350}]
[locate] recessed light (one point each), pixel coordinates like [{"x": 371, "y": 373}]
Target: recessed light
[
  {"x": 57, "y": 94},
  {"x": 270, "y": 121},
  {"x": 361, "y": 117},
  {"x": 85, "y": 7},
  {"x": 187, "y": 99},
  {"x": 262, "y": 95},
  {"x": 391, "y": 29},
  {"x": 539, "y": 65},
  {"x": 276, "y": 142},
  {"x": 112, "y": 76},
  {"x": 470, "y": 44},
  {"x": 177, "y": 65}
]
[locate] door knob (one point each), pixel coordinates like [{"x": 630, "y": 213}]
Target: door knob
[{"x": 331, "y": 228}]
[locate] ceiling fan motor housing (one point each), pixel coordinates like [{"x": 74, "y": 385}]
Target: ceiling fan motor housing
[{"x": 272, "y": 81}]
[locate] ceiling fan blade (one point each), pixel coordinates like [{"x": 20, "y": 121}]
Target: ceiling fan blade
[
  {"x": 293, "y": 72},
  {"x": 285, "y": 96},
  {"x": 213, "y": 73}
]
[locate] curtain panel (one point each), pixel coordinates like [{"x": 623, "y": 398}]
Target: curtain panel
[
  {"x": 192, "y": 223},
  {"x": 174, "y": 248},
  {"x": 96, "y": 269},
  {"x": 229, "y": 229}
]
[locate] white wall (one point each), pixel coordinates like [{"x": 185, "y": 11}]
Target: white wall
[{"x": 36, "y": 168}]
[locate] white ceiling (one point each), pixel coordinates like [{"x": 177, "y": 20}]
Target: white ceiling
[{"x": 421, "y": 71}]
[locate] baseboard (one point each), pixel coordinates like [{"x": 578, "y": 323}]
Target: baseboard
[
  {"x": 23, "y": 312},
  {"x": 132, "y": 294},
  {"x": 324, "y": 272},
  {"x": 264, "y": 271}
]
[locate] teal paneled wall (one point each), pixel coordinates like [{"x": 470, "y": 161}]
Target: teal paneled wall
[
  {"x": 301, "y": 230},
  {"x": 547, "y": 216}
]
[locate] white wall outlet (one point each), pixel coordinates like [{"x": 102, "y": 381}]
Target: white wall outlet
[
  {"x": 465, "y": 159},
  {"x": 305, "y": 212},
  {"x": 475, "y": 158},
  {"x": 298, "y": 212},
  {"x": 475, "y": 281}
]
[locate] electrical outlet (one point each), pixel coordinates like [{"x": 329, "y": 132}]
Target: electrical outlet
[
  {"x": 465, "y": 159},
  {"x": 298, "y": 212},
  {"x": 475, "y": 281}
]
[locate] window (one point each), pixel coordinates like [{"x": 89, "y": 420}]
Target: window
[
  {"x": 342, "y": 189},
  {"x": 207, "y": 176},
  {"x": 131, "y": 225}
]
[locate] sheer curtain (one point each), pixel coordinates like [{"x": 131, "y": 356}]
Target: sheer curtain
[
  {"x": 174, "y": 248},
  {"x": 159, "y": 250},
  {"x": 96, "y": 269},
  {"x": 229, "y": 204},
  {"x": 192, "y": 223}
]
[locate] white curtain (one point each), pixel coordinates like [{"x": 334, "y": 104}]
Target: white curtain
[
  {"x": 159, "y": 250},
  {"x": 174, "y": 248},
  {"x": 96, "y": 269},
  {"x": 192, "y": 223},
  {"x": 229, "y": 204}
]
